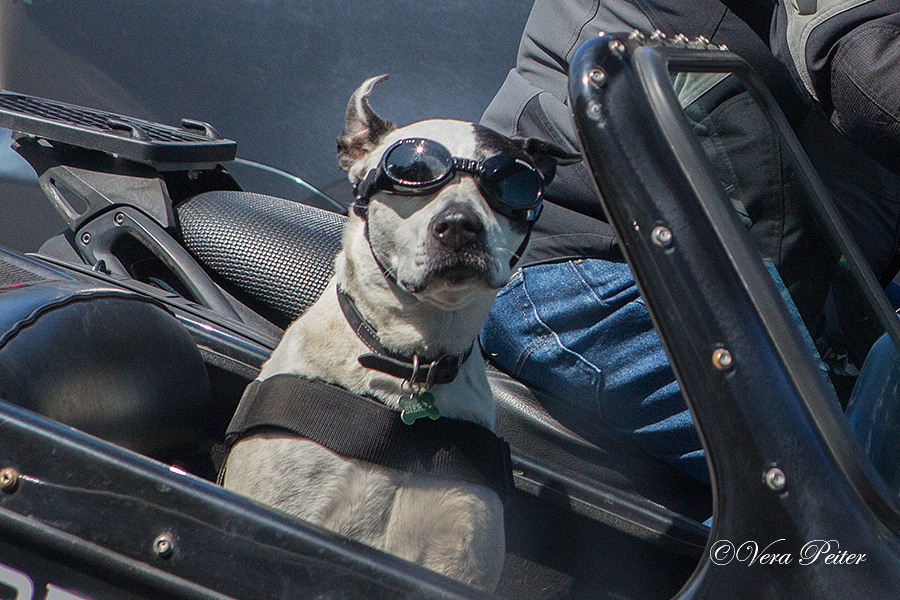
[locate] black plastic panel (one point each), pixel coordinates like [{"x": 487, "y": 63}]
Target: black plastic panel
[{"x": 134, "y": 139}]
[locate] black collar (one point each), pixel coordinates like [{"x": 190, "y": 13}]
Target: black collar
[{"x": 409, "y": 368}]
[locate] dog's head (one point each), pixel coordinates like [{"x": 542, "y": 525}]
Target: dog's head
[{"x": 448, "y": 204}]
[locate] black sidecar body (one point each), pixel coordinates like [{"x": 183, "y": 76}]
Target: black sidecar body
[{"x": 127, "y": 340}]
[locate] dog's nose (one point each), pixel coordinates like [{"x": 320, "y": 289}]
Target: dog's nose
[{"x": 457, "y": 226}]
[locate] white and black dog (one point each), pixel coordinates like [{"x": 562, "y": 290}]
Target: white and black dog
[{"x": 443, "y": 209}]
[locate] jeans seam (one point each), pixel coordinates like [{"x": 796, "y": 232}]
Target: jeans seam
[
  {"x": 597, "y": 372},
  {"x": 584, "y": 283},
  {"x": 538, "y": 341}
]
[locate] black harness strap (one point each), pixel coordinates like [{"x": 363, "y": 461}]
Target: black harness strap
[{"x": 358, "y": 427}]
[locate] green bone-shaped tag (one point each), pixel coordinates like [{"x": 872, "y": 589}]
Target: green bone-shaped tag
[{"x": 418, "y": 407}]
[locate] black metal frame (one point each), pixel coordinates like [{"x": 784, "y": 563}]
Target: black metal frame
[
  {"x": 708, "y": 293},
  {"x": 84, "y": 496}
]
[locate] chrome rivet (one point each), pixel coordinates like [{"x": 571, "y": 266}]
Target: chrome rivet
[
  {"x": 9, "y": 480},
  {"x": 120, "y": 218},
  {"x": 702, "y": 40},
  {"x": 617, "y": 47},
  {"x": 723, "y": 48},
  {"x": 164, "y": 546},
  {"x": 661, "y": 236},
  {"x": 635, "y": 35},
  {"x": 722, "y": 359},
  {"x": 657, "y": 35},
  {"x": 681, "y": 39},
  {"x": 775, "y": 479},
  {"x": 85, "y": 238},
  {"x": 597, "y": 76},
  {"x": 594, "y": 111}
]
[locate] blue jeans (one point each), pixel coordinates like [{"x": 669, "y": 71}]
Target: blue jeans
[{"x": 580, "y": 331}]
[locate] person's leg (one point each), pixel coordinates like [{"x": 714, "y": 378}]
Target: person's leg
[{"x": 579, "y": 330}]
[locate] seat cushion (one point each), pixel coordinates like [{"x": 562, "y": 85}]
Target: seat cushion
[
  {"x": 104, "y": 360},
  {"x": 274, "y": 255}
]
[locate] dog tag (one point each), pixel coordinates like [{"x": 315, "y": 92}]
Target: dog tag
[{"x": 418, "y": 407}]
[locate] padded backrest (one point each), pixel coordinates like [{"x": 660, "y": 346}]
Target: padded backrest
[
  {"x": 104, "y": 360},
  {"x": 274, "y": 255}
]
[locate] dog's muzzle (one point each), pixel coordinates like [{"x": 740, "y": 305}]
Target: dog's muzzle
[
  {"x": 458, "y": 227},
  {"x": 458, "y": 250}
]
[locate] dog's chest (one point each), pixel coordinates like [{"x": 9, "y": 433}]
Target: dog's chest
[
  {"x": 396, "y": 512},
  {"x": 320, "y": 345},
  {"x": 306, "y": 480}
]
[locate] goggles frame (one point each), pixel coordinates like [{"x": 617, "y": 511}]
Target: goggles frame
[{"x": 381, "y": 179}]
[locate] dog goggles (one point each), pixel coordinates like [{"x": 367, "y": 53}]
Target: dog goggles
[{"x": 413, "y": 167}]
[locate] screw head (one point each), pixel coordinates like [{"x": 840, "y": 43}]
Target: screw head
[
  {"x": 9, "y": 479},
  {"x": 120, "y": 218},
  {"x": 164, "y": 545},
  {"x": 595, "y": 111},
  {"x": 617, "y": 47},
  {"x": 775, "y": 479},
  {"x": 661, "y": 236},
  {"x": 722, "y": 359},
  {"x": 597, "y": 76},
  {"x": 86, "y": 238}
]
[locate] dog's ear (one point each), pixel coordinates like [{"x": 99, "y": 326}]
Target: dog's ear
[
  {"x": 546, "y": 156},
  {"x": 363, "y": 129}
]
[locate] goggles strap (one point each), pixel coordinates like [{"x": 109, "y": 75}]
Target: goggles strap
[
  {"x": 385, "y": 271},
  {"x": 517, "y": 255},
  {"x": 363, "y": 193}
]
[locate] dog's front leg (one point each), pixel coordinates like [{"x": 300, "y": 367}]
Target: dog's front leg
[{"x": 454, "y": 530}]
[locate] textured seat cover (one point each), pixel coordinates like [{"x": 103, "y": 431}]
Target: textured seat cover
[{"x": 274, "y": 255}]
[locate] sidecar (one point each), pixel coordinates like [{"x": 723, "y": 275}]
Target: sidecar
[{"x": 127, "y": 340}]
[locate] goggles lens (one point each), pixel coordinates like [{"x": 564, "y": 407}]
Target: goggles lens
[
  {"x": 417, "y": 163},
  {"x": 512, "y": 182}
]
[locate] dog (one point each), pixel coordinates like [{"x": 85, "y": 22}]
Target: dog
[{"x": 422, "y": 268}]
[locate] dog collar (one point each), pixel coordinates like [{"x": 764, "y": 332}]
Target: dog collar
[{"x": 411, "y": 369}]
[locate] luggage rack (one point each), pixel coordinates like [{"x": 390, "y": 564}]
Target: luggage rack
[
  {"x": 115, "y": 179},
  {"x": 193, "y": 145}
]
